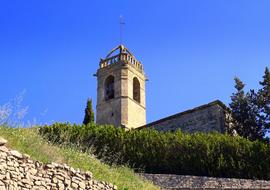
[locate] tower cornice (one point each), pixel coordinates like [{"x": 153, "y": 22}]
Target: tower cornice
[{"x": 120, "y": 54}]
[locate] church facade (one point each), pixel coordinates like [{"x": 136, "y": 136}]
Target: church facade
[{"x": 121, "y": 100}]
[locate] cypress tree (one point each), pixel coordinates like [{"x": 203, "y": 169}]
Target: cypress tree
[
  {"x": 89, "y": 113},
  {"x": 245, "y": 112},
  {"x": 264, "y": 100},
  {"x": 238, "y": 106}
]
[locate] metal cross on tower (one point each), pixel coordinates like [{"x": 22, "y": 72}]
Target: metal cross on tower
[{"x": 121, "y": 24}]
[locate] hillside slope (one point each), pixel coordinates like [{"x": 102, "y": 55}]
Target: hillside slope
[{"x": 29, "y": 142}]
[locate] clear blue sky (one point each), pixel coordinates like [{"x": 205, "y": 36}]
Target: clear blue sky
[{"x": 191, "y": 51}]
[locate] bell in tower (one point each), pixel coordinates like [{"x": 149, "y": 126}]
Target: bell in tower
[{"x": 121, "y": 90}]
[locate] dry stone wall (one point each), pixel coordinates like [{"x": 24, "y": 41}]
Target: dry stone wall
[
  {"x": 18, "y": 171},
  {"x": 180, "y": 182}
]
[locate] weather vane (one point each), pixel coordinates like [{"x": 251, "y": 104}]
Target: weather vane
[{"x": 121, "y": 24}]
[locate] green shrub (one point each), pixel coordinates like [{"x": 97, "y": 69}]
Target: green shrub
[{"x": 213, "y": 154}]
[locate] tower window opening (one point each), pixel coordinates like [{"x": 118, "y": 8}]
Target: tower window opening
[
  {"x": 136, "y": 90},
  {"x": 109, "y": 87}
]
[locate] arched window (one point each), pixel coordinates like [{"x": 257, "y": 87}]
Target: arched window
[
  {"x": 136, "y": 90},
  {"x": 109, "y": 87}
]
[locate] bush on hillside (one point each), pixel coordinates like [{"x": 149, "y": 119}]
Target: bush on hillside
[{"x": 214, "y": 155}]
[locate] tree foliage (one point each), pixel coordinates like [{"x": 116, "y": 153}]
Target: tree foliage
[
  {"x": 89, "y": 113},
  {"x": 264, "y": 101},
  {"x": 251, "y": 110}
]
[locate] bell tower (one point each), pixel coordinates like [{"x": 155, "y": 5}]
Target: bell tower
[{"x": 121, "y": 90}]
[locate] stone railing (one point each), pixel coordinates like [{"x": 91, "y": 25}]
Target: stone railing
[
  {"x": 121, "y": 57},
  {"x": 18, "y": 171}
]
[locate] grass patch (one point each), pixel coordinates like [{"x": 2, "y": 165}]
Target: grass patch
[{"x": 28, "y": 141}]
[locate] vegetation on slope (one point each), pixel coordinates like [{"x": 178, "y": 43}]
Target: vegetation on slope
[
  {"x": 28, "y": 141},
  {"x": 214, "y": 155}
]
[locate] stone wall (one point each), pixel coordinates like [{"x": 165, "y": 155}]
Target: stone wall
[
  {"x": 122, "y": 110},
  {"x": 136, "y": 110},
  {"x": 18, "y": 171},
  {"x": 206, "y": 118},
  {"x": 109, "y": 111},
  {"x": 178, "y": 182}
]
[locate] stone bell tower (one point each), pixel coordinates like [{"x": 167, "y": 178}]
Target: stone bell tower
[{"x": 121, "y": 90}]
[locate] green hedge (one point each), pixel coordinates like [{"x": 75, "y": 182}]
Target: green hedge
[{"x": 214, "y": 154}]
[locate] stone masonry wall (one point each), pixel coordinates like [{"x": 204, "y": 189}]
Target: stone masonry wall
[
  {"x": 136, "y": 111},
  {"x": 18, "y": 171},
  {"x": 122, "y": 110},
  {"x": 179, "y": 182},
  {"x": 206, "y": 118}
]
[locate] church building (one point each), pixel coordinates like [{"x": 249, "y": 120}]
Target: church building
[{"x": 121, "y": 100}]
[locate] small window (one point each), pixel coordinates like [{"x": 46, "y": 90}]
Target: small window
[
  {"x": 136, "y": 90},
  {"x": 109, "y": 87}
]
